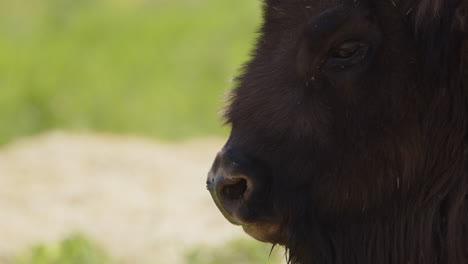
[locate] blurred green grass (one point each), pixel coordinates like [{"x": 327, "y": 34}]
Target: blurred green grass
[
  {"x": 155, "y": 68},
  {"x": 78, "y": 249},
  {"x": 74, "y": 249},
  {"x": 236, "y": 251}
]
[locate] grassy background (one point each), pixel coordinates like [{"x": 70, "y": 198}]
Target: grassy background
[
  {"x": 155, "y": 67},
  {"x": 77, "y": 249},
  {"x": 147, "y": 67}
]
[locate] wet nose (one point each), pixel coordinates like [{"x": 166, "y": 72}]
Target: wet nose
[{"x": 231, "y": 182}]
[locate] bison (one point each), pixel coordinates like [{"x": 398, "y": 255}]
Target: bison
[{"x": 349, "y": 131}]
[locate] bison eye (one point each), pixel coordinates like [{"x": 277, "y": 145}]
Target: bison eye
[{"x": 348, "y": 54}]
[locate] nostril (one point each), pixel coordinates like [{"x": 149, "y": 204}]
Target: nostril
[{"x": 234, "y": 191}]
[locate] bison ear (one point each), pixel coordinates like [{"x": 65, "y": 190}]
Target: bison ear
[
  {"x": 432, "y": 14},
  {"x": 461, "y": 18}
]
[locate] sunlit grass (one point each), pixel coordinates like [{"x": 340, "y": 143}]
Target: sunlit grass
[
  {"x": 75, "y": 249},
  {"x": 156, "y": 68},
  {"x": 237, "y": 251}
]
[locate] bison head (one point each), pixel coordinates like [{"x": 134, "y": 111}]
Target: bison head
[{"x": 348, "y": 133}]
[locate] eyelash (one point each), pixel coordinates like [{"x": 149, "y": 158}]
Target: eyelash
[{"x": 356, "y": 56}]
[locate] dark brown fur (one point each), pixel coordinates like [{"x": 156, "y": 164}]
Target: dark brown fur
[{"x": 368, "y": 165}]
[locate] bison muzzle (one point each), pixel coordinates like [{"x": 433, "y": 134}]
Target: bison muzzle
[{"x": 349, "y": 139}]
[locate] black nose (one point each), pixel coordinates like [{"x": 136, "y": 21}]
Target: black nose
[
  {"x": 232, "y": 181},
  {"x": 231, "y": 188}
]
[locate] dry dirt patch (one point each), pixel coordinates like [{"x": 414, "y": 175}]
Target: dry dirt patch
[{"x": 144, "y": 201}]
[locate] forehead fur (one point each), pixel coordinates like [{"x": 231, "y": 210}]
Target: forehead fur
[
  {"x": 422, "y": 12},
  {"x": 435, "y": 23}
]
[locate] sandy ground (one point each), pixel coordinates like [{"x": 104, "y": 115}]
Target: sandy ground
[{"x": 143, "y": 201}]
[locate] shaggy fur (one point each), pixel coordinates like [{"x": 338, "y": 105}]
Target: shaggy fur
[{"x": 367, "y": 164}]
